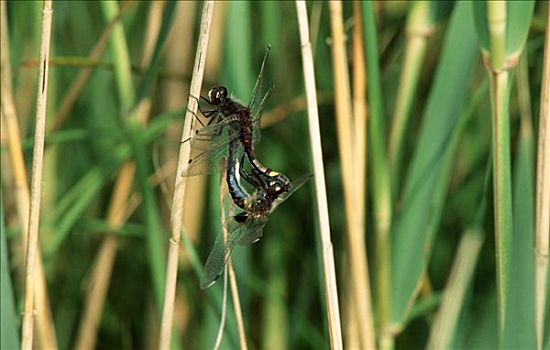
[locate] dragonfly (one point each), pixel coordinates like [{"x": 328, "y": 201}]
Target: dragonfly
[
  {"x": 229, "y": 120},
  {"x": 246, "y": 227}
]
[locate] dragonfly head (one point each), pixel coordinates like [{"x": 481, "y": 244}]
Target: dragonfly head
[{"x": 217, "y": 95}]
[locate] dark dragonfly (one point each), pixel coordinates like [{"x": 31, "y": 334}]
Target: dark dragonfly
[
  {"x": 246, "y": 227},
  {"x": 229, "y": 120}
]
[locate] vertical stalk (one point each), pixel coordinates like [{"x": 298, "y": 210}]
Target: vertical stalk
[
  {"x": 452, "y": 303},
  {"x": 366, "y": 332},
  {"x": 352, "y": 173},
  {"x": 419, "y": 28},
  {"x": 502, "y": 184},
  {"x": 181, "y": 181},
  {"x": 36, "y": 178},
  {"x": 44, "y": 319},
  {"x": 542, "y": 240},
  {"x": 329, "y": 271},
  {"x": 381, "y": 186}
]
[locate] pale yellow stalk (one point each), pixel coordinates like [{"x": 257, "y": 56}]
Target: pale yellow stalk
[
  {"x": 181, "y": 181},
  {"x": 542, "y": 240},
  {"x": 329, "y": 271},
  {"x": 36, "y": 179}
]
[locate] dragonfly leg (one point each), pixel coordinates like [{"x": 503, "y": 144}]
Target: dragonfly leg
[{"x": 252, "y": 179}]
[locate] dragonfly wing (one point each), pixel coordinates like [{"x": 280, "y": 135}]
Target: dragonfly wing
[
  {"x": 258, "y": 87},
  {"x": 258, "y": 98},
  {"x": 216, "y": 261},
  {"x": 220, "y": 254},
  {"x": 296, "y": 184},
  {"x": 251, "y": 231},
  {"x": 208, "y": 147}
]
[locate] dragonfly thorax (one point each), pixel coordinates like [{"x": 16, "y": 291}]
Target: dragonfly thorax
[{"x": 258, "y": 204}]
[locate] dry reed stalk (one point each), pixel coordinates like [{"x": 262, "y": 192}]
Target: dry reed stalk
[
  {"x": 219, "y": 335},
  {"x": 36, "y": 178},
  {"x": 228, "y": 266},
  {"x": 181, "y": 181},
  {"x": 329, "y": 271},
  {"x": 351, "y": 134},
  {"x": 229, "y": 271},
  {"x": 44, "y": 320},
  {"x": 118, "y": 207},
  {"x": 542, "y": 240},
  {"x": 360, "y": 114},
  {"x": 237, "y": 305},
  {"x": 178, "y": 57}
]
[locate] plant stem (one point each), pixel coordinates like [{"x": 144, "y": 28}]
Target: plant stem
[
  {"x": 36, "y": 178},
  {"x": 501, "y": 185},
  {"x": 542, "y": 240},
  {"x": 181, "y": 181},
  {"x": 329, "y": 271}
]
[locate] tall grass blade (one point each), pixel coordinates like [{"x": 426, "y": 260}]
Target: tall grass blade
[
  {"x": 420, "y": 212},
  {"x": 379, "y": 165}
]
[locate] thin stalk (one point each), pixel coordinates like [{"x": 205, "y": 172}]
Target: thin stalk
[
  {"x": 329, "y": 271},
  {"x": 381, "y": 183},
  {"x": 36, "y": 178},
  {"x": 44, "y": 321},
  {"x": 229, "y": 271},
  {"x": 460, "y": 277},
  {"x": 496, "y": 21},
  {"x": 219, "y": 335},
  {"x": 121, "y": 57},
  {"x": 237, "y": 306},
  {"x": 542, "y": 240},
  {"x": 419, "y": 28},
  {"x": 502, "y": 184},
  {"x": 352, "y": 169},
  {"x": 181, "y": 181},
  {"x": 360, "y": 114}
]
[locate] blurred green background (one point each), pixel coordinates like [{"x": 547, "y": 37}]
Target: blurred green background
[{"x": 441, "y": 186}]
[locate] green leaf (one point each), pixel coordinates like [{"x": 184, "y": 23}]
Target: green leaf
[
  {"x": 427, "y": 180},
  {"x": 519, "y": 328},
  {"x": 8, "y": 319}
]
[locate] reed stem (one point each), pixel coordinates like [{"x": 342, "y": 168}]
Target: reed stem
[
  {"x": 181, "y": 181},
  {"x": 329, "y": 271},
  {"x": 36, "y": 179}
]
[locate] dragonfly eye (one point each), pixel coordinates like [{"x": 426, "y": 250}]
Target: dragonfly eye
[{"x": 217, "y": 95}]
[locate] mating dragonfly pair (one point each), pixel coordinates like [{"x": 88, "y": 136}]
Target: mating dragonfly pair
[{"x": 231, "y": 131}]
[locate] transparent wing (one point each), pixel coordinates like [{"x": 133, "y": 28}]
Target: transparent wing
[
  {"x": 208, "y": 146},
  {"x": 253, "y": 231},
  {"x": 296, "y": 184},
  {"x": 239, "y": 233},
  {"x": 256, "y": 114},
  {"x": 257, "y": 99}
]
